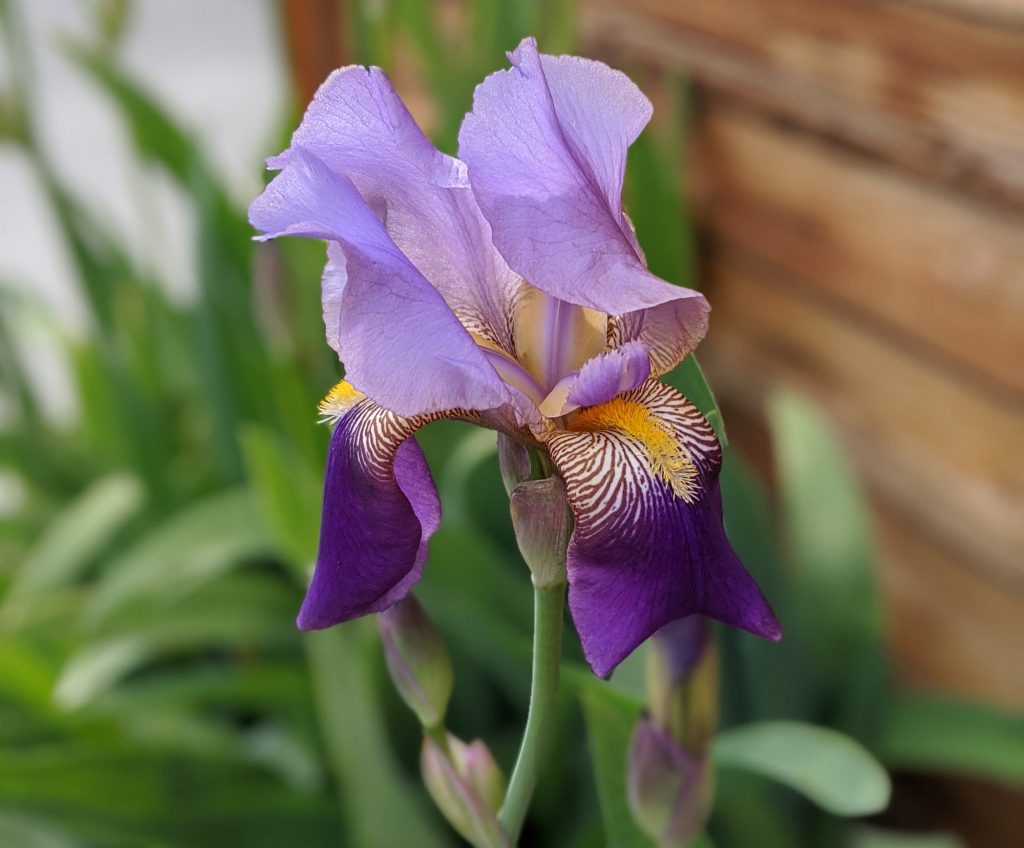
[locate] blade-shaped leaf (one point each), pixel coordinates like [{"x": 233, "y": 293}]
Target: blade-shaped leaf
[
  {"x": 71, "y": 542},
  {"x": 380, "y": 804},
  {"x": 287, "y": 490},
  {"x": 610, "y": 718},
  {"x": 829, "y": 545},
  {"x": 942, "y": 734}
]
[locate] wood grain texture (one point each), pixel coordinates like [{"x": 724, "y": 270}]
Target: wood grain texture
[
  {"x": 933, "y": 269},
  {"x": 940, "y": 94},
  {"x": 1000, "y": 13},
  {"x": 974, "y": 627},
  {"x": 950, "y": 627},
  {"x": 940, "y": 452}
]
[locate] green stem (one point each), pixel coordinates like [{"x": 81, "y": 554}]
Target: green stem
[{"x": 548, "y": 603}]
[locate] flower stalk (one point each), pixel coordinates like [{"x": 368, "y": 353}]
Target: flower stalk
[{"x": 548, "y": 603}]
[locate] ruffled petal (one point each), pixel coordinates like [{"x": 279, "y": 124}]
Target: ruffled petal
[
  {"x": 399, "y": 340},
  {"x": 358, "y": 126},
  {"x": 649, "y": 546},
  {"x": 380, "y": 508},
  {"x": 599, "y": 380},
  {"x": 546, "y": 146}
]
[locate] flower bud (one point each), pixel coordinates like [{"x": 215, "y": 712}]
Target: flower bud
[
  {"x": 670, "y": 791},
  {"x": 417, "y": 660},
  {"x": 514, "y": 462},
  {"x": 682, "y": 682},
  {"x": 467, "y": 786},
  {"x": 543, "y": 524}
]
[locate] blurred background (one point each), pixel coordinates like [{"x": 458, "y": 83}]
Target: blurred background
[{"x": 844, "y": 180}]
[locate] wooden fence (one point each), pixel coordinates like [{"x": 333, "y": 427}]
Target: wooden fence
[{"x": 858, "y": 175}]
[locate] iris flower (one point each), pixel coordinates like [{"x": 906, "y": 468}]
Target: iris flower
[{"x": 506, "y": 287}]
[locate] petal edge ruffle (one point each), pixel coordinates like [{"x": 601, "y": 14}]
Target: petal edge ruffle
[{"x": 545, "y": 145}]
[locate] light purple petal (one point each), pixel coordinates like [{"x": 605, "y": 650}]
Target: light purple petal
[
  {"x": 400, "y": 342},
  {"x": 358, "y": 126},
  {"x": 612, "y": 373},
  {"x": 546, "y": 146},
  {"x": 380, "y": 508},
  {"x": 601, "y": 378},
  {"x": 643, "y": 554}
]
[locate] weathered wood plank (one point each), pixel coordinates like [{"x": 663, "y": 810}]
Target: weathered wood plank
[
  {"x": 937, "y": 270},
  {"x": 949, "y": 628},
  {"x": 946, "y": 455},
  {"x": 939, "y": 94},
  {"x": 1008, "y": 13}
]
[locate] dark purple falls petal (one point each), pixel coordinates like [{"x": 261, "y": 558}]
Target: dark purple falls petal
[
  {"x": 380, "y": 508},
  {"x": 642, "y": 556}
]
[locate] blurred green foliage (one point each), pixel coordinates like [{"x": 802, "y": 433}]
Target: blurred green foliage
[{"x": 153, "y": 688}]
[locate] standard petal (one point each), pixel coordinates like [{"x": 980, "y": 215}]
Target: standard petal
[
  {"x": 649, "y": 546},
  {"x": 359, "y": 127},
  {"x": 380, "y": 508},
  {"x": 399, "y": 340},
  {"x": 546, "y": 146}
]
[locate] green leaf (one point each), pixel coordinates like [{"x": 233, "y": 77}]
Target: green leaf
[
  {"x": 611, "y": 717},
  {"x": 830, "y": 769},
  {"x": 29, "y": 832},
  {"x": 940, "y": 734},
  {"x": 240, "y": 610},
  {"x": 762, "y": 679},
  {"x": 287, "y": 490},
  {"x": 381, "y": 806},
  {"x": 189, "y": 549},
  {"x": 829, "y": 543},
  {"x": 750, "y": 811},
  {"x": 874, "y": 838},
  {"x": 72, "y": 541}
]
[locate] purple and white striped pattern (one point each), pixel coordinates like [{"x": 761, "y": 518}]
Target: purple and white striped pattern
[
  {"x": 642, "y": 556},
  {"x": 380, "y": 508}
]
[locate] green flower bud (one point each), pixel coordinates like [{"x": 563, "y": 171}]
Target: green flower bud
[
  {"x": 468, "y": 788},
  {"x": 417, "y": 660},
  {"x": 682, "y": 682},
  {"x": 543, "y": 524}
]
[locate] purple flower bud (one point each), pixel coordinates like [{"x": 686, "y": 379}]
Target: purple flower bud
[
  {"x": 467, "y": 786},
  {"x": 543, "y": 524},
  {"x": 682, "y": 682},
  {"x": 417, "y": 660},
  {"x": 670, "y": 790}
]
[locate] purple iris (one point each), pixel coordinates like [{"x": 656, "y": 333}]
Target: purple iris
[{"x": 506, "y": 287}]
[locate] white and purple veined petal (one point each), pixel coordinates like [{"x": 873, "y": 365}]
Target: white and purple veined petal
[
  {"x": 649, "y": 545},
  {"x": 545, "y": 144},
  {"x": 380, "y": 508}
]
